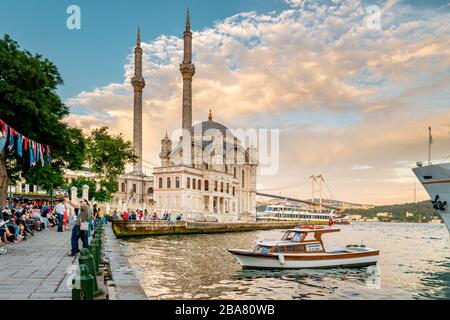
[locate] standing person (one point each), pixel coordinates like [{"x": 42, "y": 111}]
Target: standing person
[
  {"x": 66, "y": 219},
  {"x": 59, "y": 210},
  {"x": 146, "y": 216},
  {"x": 95, "y": 215},
  {"x": 101, "y": 217},
  {"x": 80, "y": 229}
]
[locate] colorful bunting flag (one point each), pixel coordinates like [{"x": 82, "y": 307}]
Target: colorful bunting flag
[
  {"x": 19, "y": 144},
  {"x": 37, "y": 152},
  {"x": 11, "y": 139},
  {"x": 3, "y": 137},
  {"x": 41, "y": 156}
]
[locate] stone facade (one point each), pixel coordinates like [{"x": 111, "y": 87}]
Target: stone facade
[{"x": 134, "y": 192}]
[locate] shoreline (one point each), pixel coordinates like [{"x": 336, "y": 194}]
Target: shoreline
[{"x": 134, "y": 229}]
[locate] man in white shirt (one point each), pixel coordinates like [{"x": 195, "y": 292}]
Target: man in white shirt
[{"x": 59, "y": 210}]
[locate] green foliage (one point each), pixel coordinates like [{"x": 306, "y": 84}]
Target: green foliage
[
  {"x": 424, "y": 210},
  {"x": 107, "y": 156},
  {"x": 29, "y": 103}
]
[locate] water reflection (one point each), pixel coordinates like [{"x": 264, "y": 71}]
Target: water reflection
[{"x": 414, "y": 264}]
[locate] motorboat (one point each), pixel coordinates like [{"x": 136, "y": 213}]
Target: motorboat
[{"x": 302, "y": 248}]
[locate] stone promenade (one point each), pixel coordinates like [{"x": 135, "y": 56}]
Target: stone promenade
[{"x": 36, "y": 269}]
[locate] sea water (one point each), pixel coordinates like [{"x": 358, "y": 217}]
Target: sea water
[{"x": 414, "y": 263}]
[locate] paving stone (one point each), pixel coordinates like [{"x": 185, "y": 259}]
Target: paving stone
[{"x": 37, "y": 268}]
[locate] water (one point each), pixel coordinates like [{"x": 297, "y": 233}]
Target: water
[{"x": 414, "y": 264}]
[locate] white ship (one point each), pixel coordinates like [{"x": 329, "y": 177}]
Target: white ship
[
  {"x": 296, "y": 213},
  {"x": 436, "y": 181}
]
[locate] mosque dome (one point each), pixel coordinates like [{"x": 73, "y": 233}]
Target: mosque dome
[{"x": 211, "y": 126}]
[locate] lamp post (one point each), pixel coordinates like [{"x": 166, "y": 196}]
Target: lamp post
[{"x": 51, "y": 196}]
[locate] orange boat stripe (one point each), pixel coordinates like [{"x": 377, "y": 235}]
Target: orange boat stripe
[{"x": 436, "y": 182}]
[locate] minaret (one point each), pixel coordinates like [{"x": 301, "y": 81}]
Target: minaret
[
  {"x": 138, "y": 83},
  {"x": 187, "y": 69}
]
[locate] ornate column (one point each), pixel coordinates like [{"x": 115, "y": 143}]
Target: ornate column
[
  {"x": 138, "y": 83},
  {"x": 85, "y": 192},
  {"x": 187, "y": 69},
  {"x": 74, "y": 194}
]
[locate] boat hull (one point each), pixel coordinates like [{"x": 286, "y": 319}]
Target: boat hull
[
  {"x": 250, "y": 260},
  {"x": 436, "y": 181}
]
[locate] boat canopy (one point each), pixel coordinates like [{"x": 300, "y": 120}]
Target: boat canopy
[{"x": 316, "y": 230}]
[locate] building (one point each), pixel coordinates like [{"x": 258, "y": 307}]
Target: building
[{"x": 208, "y": 175}]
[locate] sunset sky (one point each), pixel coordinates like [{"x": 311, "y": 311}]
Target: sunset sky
[{"x": 351, "y": 103}]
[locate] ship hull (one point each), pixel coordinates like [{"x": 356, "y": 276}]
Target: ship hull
[
  {"x": 436, "y": 181},
  {"x": 250, "y": 260}
]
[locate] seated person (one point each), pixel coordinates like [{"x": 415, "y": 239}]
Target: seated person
[
  {"x": 4, "y": 232},
  {"x": 14, "y": 229}
]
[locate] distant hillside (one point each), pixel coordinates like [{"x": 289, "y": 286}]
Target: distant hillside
[{"x": 423, "y": 209}]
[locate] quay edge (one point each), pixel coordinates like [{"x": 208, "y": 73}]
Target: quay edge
[{"x": 131, "y": 229}]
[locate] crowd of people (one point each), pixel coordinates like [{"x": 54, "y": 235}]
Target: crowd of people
[
  {"x": 20, "y": 220},
  {"x": 140, "y": 215},
  {"x": 24, "y": 219}
]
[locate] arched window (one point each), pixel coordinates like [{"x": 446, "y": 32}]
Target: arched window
[
  {"x": 188, "y": 183},
  {"x": 206, "y": 185},
  {"x": 122, "y": 188},
  {"x": 194, "y": 183},
  {"x": 160, "y": 183},
  {"x": 169, "y": 183},
  {"x": 216, "y": 184},
  {"x": 177, "y": 182},
  {"x": 150, "y": 191},
  {"x": 199, "y": 187},
  {"x": 221, "y": 187},
  {"x": 235, "y": 173},
  {"x": 243, "y": 178},
  {"x": 234, "y": 193},
  {"x": 228, "y": 188}
]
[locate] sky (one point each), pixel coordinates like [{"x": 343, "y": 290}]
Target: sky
[{"x": 351, "y": 102}]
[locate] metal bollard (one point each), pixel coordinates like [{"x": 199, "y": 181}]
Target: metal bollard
[
  {"x": 88, "y": 260},
  {"x": 99, "y": 242},
  {"x": 76, "y": 293},
  {"x": 93, "y": 249},
  {"x": 87, "y": 283}
]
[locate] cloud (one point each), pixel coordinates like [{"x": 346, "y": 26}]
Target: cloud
[
  {"x": 362, "y": 167},
  {"x": 341, "y": 94}
]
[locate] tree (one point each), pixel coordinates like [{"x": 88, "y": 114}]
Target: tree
[
  {"x": 29, "y": 103},
  {"x": 107, "y": 155}
]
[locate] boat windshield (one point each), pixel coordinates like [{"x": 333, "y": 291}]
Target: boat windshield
[
  {"x": 261, "y": 249},
  {"x": 293, "y": 236}
]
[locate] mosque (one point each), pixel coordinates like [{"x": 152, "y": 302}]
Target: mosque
[{"x": 206, "y": 175}]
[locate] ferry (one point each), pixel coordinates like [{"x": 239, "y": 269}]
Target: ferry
[
  {"x": 302, "y": 248},
  {"x": 436, "y": 181},
  {"x": 296, "y": 213}
]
